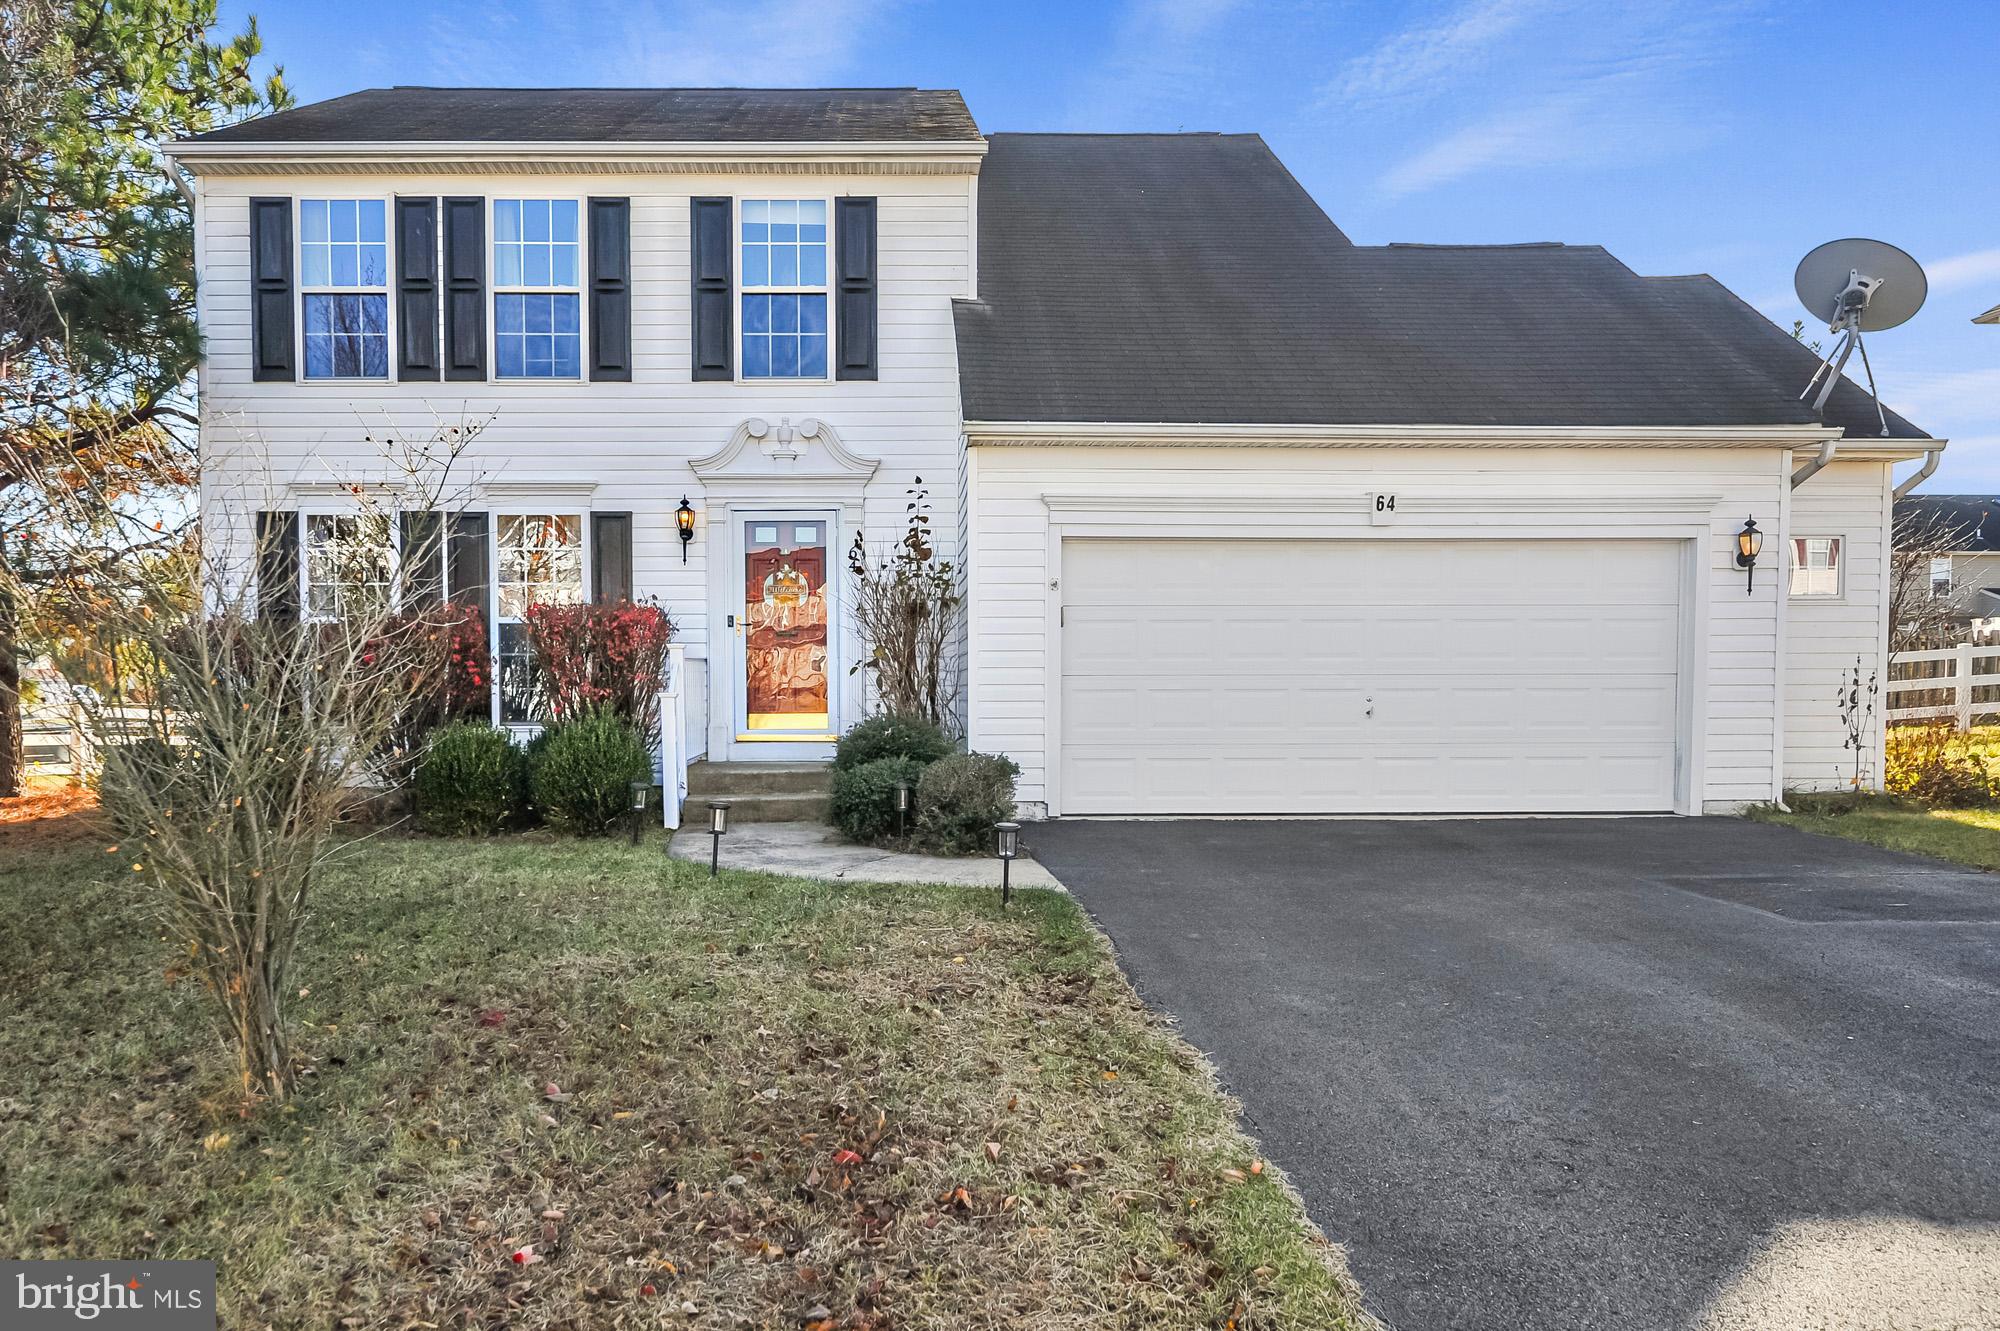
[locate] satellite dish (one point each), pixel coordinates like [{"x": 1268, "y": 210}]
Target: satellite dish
[
  {"x": 1870, "y": 277},
  {"x": 1857, "y": 286}
]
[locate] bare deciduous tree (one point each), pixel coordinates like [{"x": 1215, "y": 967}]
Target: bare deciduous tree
[
  {"x": 1918, "y": 618},
  {"x": 907, "y": 607}
]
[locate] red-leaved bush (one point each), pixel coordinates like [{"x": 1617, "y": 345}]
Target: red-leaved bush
[
  {"x": 454, "y": 674},
  {"x": 588, "y": 657}
]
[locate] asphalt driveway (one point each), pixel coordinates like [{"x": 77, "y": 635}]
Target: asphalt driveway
[{"x": 1584, "y": 1073}]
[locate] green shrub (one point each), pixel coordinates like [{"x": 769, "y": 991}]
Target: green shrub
[
  {"x": 891, "y": 736},
  {"x": 864, "y": 797},
  {"x": 582, "y": 774},
  {"x": 960, "y": 797},
  {"x": 472, "y": 781},
  {"x": 1929, "y": 762}
]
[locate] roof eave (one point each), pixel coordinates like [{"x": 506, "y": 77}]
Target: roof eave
[
  {"x": 195, "y": 153},
  {"x": 1079, "y": 433}
]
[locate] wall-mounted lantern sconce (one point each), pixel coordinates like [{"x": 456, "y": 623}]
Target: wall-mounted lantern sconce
[
  {"x": 684, "y": 519},
  {"x": 1007, "y": 844},
  {"x": 1749, "y": 542},
  {"x": 718, "y": 825}
]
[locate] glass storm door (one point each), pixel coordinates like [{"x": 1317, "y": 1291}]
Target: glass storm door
[{"x": 787, "y": 691}]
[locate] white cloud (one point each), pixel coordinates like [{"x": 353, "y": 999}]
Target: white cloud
[
  {"x": 1547, "y": 83},
  {"x": 1964, "y": 270},
  {"x": 661, "y": 43},
  {"x": 1950, "y": 395},
  {"x": 1421, "y": 60},
  {"x": 1162, "y": 52}
]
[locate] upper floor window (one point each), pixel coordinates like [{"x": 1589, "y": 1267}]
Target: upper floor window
[
  {"x": 1941, "y": 576},
  {"x": 537, "y": 295},
  {"x": 784, "y": 264},
  {"x": 344, "y": 287},
  {"x": 1815, "y": 565}
]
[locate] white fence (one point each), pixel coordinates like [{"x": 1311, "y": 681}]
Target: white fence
[
  {"x": 1968, "y": 693},
  {"x": 673, "y": 737}
]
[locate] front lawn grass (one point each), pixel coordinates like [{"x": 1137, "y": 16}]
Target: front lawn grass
[
  {"x": 1963, "y": 836},
  {"x": 752, "y": 1102}
]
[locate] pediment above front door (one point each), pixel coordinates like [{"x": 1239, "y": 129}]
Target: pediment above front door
[{"x": 790, "y": 448}]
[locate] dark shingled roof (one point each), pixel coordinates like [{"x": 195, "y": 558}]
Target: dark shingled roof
[
  {"x": 1189, "y": 278},
  {"x": 616, "y": 115},
  {"x": 1964, "y": 522}
]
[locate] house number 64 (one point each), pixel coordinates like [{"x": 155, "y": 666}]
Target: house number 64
[{"x": 1383, "y": 509}]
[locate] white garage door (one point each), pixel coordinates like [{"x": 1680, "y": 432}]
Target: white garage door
[{"x": 1337, "y": 676}]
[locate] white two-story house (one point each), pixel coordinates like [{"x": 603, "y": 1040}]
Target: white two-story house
[{"x": 1251, "y": 518}]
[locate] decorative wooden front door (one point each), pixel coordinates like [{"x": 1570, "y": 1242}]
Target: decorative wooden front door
[{"x": 784, "y": 626}]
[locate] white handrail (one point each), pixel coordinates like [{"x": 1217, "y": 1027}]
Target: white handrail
[{"x": 673, "y": 737}]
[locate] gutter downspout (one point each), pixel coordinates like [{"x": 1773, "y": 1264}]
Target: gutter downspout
[
  {"x": 180, "y": 181},
  {"x": 1919, "y": 475},
  {"x": 1811, "y": 469}
]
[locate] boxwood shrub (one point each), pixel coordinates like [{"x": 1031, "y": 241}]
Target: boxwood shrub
[
  {"x": 581, "y": 774},
  {"x": 960, "y": 797},
  {"x": 863, "y": 804},
  {"x": 891, "y": 736},
  {"x": 470, "y": 782}
]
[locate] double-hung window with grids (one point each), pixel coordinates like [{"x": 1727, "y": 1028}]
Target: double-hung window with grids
[
  {"x": 344, "y": 287},
  {"x": 537, "y": 289},
  {"x": 783, "y": 262}
]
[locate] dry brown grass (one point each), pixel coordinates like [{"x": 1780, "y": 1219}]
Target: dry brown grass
[{"x": 755, "y": 1102}]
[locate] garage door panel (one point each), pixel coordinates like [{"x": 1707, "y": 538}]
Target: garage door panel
[{"x": 1357, "y": 676}]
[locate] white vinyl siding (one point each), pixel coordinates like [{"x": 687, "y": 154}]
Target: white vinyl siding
[
  {"x": 1825, "y": 637},
  {"x": 1731, "y": 678},
  {"x": 631, "y": 441}
]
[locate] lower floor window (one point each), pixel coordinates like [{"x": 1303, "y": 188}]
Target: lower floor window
[
  {"x": 538, "y": 559},
  {"x": 348, "y": 563}
]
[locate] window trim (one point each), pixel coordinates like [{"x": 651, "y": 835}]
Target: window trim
[
  {"x": 1792, "y": 569},
  {"x": 1950, "y": 577},
  {"x": 300, "y": 290},
  {"x": 742, "y": 289},
  {"x": 494, "y": 513},
  {"x": 306, "y": 515},
  {"x": 581, "y": 290}
]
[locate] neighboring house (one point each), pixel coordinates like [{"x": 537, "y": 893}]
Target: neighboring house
[
  {"x": 1962, "y": 535},
  {"x": 1252, "y": 519}
]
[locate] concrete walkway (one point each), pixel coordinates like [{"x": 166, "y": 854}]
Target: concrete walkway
[{"x": 811, "y": 850}]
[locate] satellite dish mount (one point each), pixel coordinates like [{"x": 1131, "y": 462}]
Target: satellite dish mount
[{"x": 1857, "y": 286}]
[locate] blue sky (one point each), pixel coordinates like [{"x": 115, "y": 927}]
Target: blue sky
[{"x": 1685, "y": 136}]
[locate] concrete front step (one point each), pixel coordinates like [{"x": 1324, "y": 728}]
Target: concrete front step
[
  {"x": 755, "y": 809},
  {"x": 758, "y": 792},
  {"x": 710, "y": 781}
]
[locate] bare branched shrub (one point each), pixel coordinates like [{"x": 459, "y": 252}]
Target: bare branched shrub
[
  {"x": 908, "y": 608},
  {"x": 258, "y": 735},
  {"x": 241, "y": 723}
]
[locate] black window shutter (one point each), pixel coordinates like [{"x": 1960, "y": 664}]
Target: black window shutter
[
  {"x": 416, "y": 288},
  {"x": 854, "y": 292},
  {"x": 422, "y": 560},
  {"x": 610, "y": 557},
  {"x": 465, "y": 288},
  {"x": 277, "y": 565},
  {"x": 465, "y": 564},
  {"x": 713, "y": 334},
  {"x": 271, "y": 355},
  {"x": 611, "y": 289}
]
